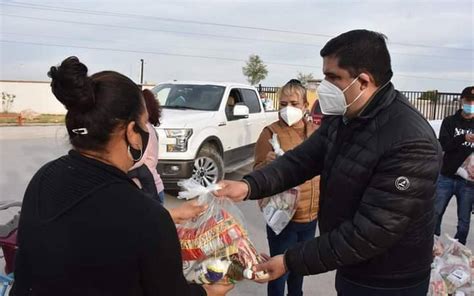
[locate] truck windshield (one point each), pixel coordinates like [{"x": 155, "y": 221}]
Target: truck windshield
[{"x": 189, "y": 96}]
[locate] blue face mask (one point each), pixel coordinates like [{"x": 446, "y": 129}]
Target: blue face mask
[{"x": 468, "y": 108}]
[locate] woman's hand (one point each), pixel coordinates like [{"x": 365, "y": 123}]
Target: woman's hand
[
  {"x": 186, "y": 211},
  {"x": 271, "y": 156},
  {"x": 218, "y": 289}
]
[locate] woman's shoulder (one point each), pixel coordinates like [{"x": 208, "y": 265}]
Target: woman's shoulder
[
  {"x": 275, "y": 127},
  {"x": 127, "y": 196}
]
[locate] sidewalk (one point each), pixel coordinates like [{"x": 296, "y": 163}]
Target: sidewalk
[{"x": 32, "y": 132}]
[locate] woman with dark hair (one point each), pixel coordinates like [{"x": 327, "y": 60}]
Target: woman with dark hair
[
  {"x": 85, "y": 227},
  {"x": 144, "y": 172}
]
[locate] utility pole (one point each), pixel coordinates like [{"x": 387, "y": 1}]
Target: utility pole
[{"x": 141, "y": 72}]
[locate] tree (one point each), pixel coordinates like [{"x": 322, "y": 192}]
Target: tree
[
  {"x": 430, "y": 95},
  {"x": 7, "y": 101},
  {"x": 255, "y": 70},
  {"x": 304, "y": 78}
]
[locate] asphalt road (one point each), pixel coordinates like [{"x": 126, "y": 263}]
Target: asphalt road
[{"x": 23, "y": 150}]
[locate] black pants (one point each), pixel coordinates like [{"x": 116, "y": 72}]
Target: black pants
[{"x": 345, "y": 287}]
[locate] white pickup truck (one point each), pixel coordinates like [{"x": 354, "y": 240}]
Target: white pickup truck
[{"x": 207, "y": 129}]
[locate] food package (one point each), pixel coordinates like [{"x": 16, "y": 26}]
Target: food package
[
  {"x": 452, "y": 272},
  {"x": 466, "y": 170},
  {"x": 437, "y": 285},
  {"x": 215, "y": 246},
  {"x": 279, "y": 209}
]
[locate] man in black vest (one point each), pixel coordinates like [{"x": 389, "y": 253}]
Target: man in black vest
[{"x": 379, "y": 160}]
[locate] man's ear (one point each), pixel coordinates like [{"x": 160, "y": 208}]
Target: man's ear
[{"x": 366, "y": 80}]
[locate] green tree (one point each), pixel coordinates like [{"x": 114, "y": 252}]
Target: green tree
[
  {"x": 255, "y": 70},
  {"x": 430, "y": 95},
  {"x": 7, "y": 101},
  {"x": 304, "y": 78}
]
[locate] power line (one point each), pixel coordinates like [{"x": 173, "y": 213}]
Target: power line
[
  {"x": 204, "y": 34},
  {"x": 149, "y": 52},
  {"x": 116, "y": 14},
  {"x": 156, "y": 30},
  {"x": 209, "y": 49},
  {"x": 198, "y": 56}
]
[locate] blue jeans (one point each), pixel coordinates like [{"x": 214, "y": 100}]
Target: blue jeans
[
  {"x": 292, "y": 234},
  {"x": 345, "y": 287},
  {"x": 161, "y": 197},
  {"x": 464, "y": 192}
]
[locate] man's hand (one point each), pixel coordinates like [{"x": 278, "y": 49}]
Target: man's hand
[
  {"x": 274, "y": 267},
  {"x": 470, "y": 138},
  {"x": 186, "y": 211},
  {"x": 235, "y": 190},
  {"x": 217, "y": 289}
]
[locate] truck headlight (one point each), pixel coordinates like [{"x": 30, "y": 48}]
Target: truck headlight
[{"x": 181, "y": 136}]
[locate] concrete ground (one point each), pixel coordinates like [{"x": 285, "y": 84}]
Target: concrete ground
[{"x": 23, "y": 150}]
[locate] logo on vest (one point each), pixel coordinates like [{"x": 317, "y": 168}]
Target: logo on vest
[{"x": 402, "y": 183}]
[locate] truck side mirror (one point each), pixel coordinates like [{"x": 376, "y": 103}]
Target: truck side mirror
[{"x": 241, "y": 111}]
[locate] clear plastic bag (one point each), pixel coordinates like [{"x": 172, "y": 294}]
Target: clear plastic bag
[
  {"x": 452, "y": 263},
  {"x": 437, "y": 285},
  {"x": 215, "y": 246},
  {"x": 279, "y": 209}
]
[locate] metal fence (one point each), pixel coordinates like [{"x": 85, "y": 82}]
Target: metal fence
[
  {"x": 433, "y": 105},
  {"x": 272, "y": 93}
]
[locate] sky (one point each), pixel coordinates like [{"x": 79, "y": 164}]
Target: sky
[{"x": 431, "y": 42}]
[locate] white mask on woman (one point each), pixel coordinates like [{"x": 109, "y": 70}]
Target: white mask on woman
[
  {"x": 332, "y": 99},
  {"x": 291, "y": 115}
]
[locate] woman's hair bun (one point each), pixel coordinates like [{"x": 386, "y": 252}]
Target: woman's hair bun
[{"x": 71, "y": 85}]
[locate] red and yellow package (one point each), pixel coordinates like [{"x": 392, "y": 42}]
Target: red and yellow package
[{"x": 215, "y": 246}]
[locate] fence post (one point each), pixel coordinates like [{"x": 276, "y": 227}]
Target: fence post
[
  {"x": 259, "y": 87},
  {"x": 435, "y": 103}
]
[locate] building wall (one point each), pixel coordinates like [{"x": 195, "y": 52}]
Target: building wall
[{"x": 35, "y": 95}]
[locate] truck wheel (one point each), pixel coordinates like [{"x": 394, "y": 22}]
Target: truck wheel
[{"x": 208, "y": 166}]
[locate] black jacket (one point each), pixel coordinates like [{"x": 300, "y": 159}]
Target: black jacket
[
  {"x": 452, "y": 137},
  {"x": 378, "y": 176},
  {"x": 86, "y": 229}
]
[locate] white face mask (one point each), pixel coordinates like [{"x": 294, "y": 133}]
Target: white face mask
[
  {"x": 332, "y": 99},
  {"x": 291, "y": 115}
]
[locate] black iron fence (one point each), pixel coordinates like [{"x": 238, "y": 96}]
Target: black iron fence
[
  {"x": 433, "y": 105},
  {"x": 271, "y": 92}
]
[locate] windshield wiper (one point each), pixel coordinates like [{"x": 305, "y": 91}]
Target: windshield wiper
[{"x": 181, "y": 107}]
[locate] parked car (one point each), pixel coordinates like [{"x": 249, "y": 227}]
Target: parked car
[{"x": 208, "y": 129}]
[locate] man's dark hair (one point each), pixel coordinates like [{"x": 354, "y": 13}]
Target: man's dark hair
[
  {"x": 468, "y": 93},
  {"x": 361, "y": 50}
]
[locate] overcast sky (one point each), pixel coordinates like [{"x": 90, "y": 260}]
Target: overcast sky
[{"x": 431, "y": 42}]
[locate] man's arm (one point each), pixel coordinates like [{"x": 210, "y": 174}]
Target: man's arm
[
  {"x": 293, "y": 168},
  {"x": 383, "y": 216}
]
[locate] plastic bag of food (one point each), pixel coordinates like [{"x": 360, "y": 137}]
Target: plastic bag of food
[
  {"x": 466, "y": 170},
  {"x": 215, "y": 246},
  {"x": 437, "y": 285},
  {"x": 452, "y": 263},
  {"x": 279, "y": 209}
]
